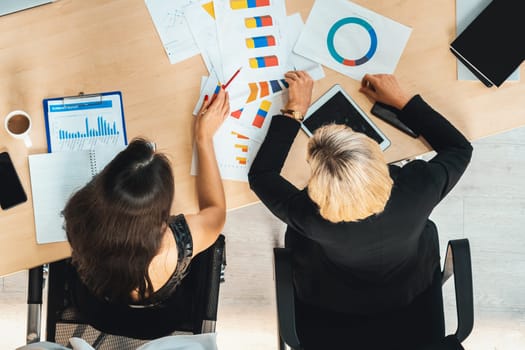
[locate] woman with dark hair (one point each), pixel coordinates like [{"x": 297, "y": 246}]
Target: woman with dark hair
[{"x": 126, "y": 246}]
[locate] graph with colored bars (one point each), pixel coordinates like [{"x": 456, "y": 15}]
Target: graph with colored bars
[
  {"x": 262, "y": 112},
  {"x": 248, "y": 4},
  {"x": 260, "y": 41},
  {"x": 242, "y": 160},
  {"x": 264, "y": 62},
  {"x": 103, "y": 129},
  {"x": 262, "y": 89},
  {"x": 258, "y": 22}
]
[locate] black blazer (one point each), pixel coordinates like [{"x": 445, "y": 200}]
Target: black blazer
[{"x": 379, "y": 263}]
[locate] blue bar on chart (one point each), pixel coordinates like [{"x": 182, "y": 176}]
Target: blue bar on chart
[{"x": 103, "y": 129}]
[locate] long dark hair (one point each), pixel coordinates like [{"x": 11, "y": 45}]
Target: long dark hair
[{"x": 115, "y": 223}]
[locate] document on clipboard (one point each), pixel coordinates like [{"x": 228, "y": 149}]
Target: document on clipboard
[{"x": 82, "y": 122}]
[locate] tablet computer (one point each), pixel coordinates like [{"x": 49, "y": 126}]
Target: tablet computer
[{"x": 336, "y": 106}]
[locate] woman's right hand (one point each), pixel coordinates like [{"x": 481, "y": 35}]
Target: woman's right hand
[
  {"x": 384, "y": 88},
  {"x": 211, "y": 115}
]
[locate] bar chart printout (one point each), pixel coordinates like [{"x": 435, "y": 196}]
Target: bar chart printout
[
  {"x": 103, "y": 129},
  {"x": 84, "y": 124},
  {"x": 248, "y": 4},
  {"x": 258, "y": 21}
]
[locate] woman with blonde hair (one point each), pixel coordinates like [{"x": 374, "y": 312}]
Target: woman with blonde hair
[{"x": 359, "y": 232}]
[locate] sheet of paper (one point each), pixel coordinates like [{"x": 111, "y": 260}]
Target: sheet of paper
[
  {"x": 294, "y": 27},
  {"x": 240, "y": 136},
  {"x": 174, "y": 33},
  {"x": 79, "y": 124},
  {"x": 234, "y": 151},
  {"x": 466, "y": 12},
  {"x": 200, "y": 17},
  {"x": 352, "y": 39},
  {"x": 55, "y": 177},
  {"x": 250, "y": 36}
]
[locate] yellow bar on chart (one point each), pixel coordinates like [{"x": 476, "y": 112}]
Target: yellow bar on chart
[
  {"x": 250, "y": 43},
  {"x": 243, "y": 148},
  {"x": 250, "y": 22},
  {"x": 238, "y": 4}
]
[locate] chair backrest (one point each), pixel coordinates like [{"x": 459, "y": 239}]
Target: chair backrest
[
  {"x": 419, "y": 326},
  {"x": 191, "y": 310}
]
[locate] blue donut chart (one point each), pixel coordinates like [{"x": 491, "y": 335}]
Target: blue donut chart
[{"x": 360, "y": 22}]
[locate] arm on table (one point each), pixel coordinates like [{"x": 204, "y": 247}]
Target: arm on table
[
  {"x": 453, "y": 149},
  {"x": 264, "y": 176},
  {"x": 207, "y": 224}
]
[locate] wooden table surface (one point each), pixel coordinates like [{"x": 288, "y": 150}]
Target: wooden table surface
[{"x": 92, "y": 46}]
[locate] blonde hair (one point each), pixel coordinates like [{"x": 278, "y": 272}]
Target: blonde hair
[{"x": 350, "y": 179}]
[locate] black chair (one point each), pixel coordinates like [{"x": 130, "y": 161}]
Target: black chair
[
  {"x": 71, "y": 308},
  {"x": 419, "y": 326}
]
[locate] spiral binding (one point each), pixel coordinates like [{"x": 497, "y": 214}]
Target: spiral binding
[{"x": 93, "y": 162}]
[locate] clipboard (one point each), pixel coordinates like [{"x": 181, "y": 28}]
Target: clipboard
[{"x": 83, "y": 121}]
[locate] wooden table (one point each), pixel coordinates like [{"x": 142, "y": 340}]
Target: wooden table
[{"x": 104, "y": 45}]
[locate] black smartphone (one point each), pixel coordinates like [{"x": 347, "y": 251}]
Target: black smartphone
[
  {"x": 389, "y": 115},
  {"x": 11, "y": 190}
]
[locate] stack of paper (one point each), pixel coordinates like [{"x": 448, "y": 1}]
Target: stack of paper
[{"x": 233, "y": 34}]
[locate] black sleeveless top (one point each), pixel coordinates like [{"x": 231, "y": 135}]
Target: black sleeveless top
[
  {"x": 184, "y": 242},
  {"x": 157, "y": 316}
]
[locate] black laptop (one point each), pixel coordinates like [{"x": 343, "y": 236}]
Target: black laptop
[{"x": 493, "y": 45}]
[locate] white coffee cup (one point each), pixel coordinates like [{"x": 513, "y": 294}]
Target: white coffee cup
[{"x": 18, "y": 124}]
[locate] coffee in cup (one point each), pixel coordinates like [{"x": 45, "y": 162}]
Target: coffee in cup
[{"x": 18, "y": 125}]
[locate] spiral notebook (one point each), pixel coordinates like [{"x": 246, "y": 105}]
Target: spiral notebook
[{"x": 54, "y": 178}]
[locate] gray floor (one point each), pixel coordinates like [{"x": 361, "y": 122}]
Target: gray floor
[{"x": 487, "y": 206}]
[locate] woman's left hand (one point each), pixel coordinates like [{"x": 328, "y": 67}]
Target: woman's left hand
[
  {"x": 211, "y": 116},
  {"x": 299, "y": 91}
]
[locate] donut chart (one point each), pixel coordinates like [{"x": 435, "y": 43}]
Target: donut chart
[{"x": 360, "y": 22}]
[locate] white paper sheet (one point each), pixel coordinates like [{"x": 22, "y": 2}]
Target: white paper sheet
[
  {"x": 175, "y": 35},
  {"x": 352, "y": 39},
  {"x": 234, "y": 34},
  {"x": 251, "y": 123},
  {"x": 234, "y": 151},
  {"x": 200, "y": 17},
  {"x": 54, "y": 178},
  {"x": 294, "y": 27}
]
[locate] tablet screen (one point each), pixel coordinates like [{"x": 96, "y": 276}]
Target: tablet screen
[{"x": 339, "y": 110}]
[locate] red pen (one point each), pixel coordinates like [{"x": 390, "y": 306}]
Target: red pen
[
  {"x": 231, "y": 79},
  {"x": 226, "y": 85}
]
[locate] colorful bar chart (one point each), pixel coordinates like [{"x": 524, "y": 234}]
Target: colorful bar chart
[
  {"x": 103, "y": 129},
  {"x": 241, "y": 160},
  {"x": 264, "y": 62},
  {"x": 275, "y": 86},
  {"x": 248, "y": 4},
  {"x": 240, "y": 136},
  {"x": 260, "y": 117},
  {"x": 262, "y": 89},
  {"x": 258, "y": 22},
  {"x": 260, "y": 41},
  {"x": 243, "y": 148}
]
